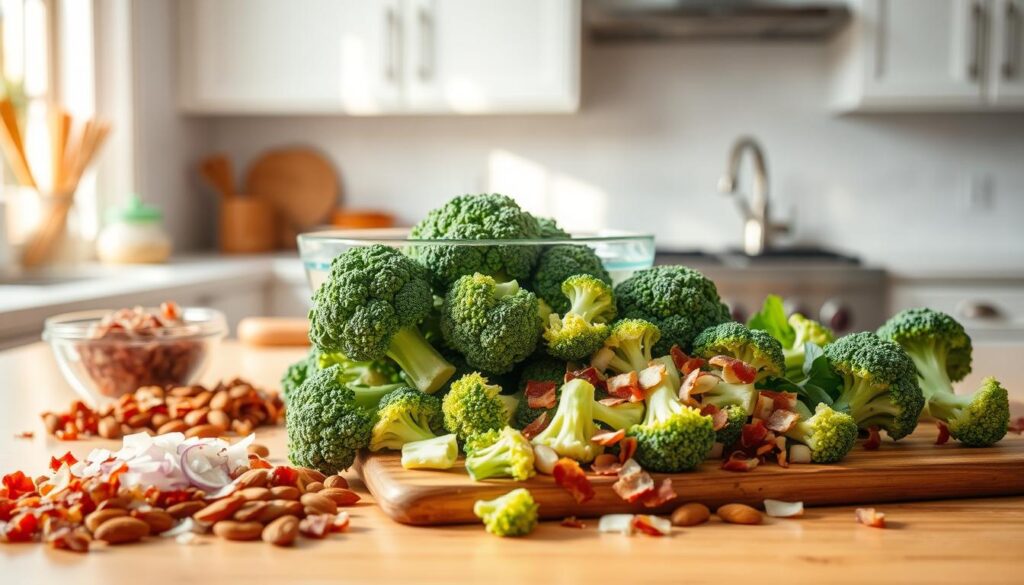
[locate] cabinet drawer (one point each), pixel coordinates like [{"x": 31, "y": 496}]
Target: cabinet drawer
[{"x": 990, "y": 311}]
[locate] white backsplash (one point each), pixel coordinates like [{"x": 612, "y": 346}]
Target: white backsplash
[{"x": 646, "y": 150}]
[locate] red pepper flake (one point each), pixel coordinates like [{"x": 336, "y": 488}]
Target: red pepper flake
[
  {"x": 608, "y": 438},
  {"x": 24, "y": 435},
  {"x": 874, "y": 440},
  {"x": 569, "y": 476},
  {"x": 943, "y": 437},
  {"x": 627, "y": 448},
  {"x": 870, "y": 517},
  {"x": 734, "y": 371},
  {"x": 606, "y": 464},
  {"x": 684, "y": 363},
  {"x": 67, "y": 458},
  {"x": 18, "y": 484},
  {"x": 537, "y": 426},
  {"x": 782, "y": 421},
  {"x": 626, "y": 386},
  {"x": 284, "y": 475},
  {"x": 541, "y": 394},
  {"x": 572, "y": 522},
  {"x": 738, "y": 461}
]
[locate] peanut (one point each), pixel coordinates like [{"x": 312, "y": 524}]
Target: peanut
[
  {"x": 121, "y": 530},
  {"x": 690, "y": 514},
  {"x": 282, "y": 532},
  {"x": 739, "y": 514}
]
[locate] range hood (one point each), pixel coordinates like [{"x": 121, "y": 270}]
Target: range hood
[{"x": 619, "y": 20}]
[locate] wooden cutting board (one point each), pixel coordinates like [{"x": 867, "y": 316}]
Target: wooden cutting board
[
  {"x": 913, "y": 469},
  {"x": 300, "y": 183}
]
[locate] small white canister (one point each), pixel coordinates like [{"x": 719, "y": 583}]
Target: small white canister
[{"x": 134, "y": 234}]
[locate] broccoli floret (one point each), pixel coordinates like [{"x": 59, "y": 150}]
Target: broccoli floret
[
  {"x": 672, "y": 437},
  {"x": 937, "y": 343},
  {"x": 370, "y": 380},
  {"x": 879, "y": 383},
  {"x": 369, "y": 307},
  {"x": 628, "y": 347},
  {"x": 572, "y": 426},
  {"x": 976, "y": 420},
  {"x": 549, "y": 229},
  {"x": 583, "y": 329},
  {"x": 513, "y": 514},
  {"x": 472, "y": 406},
  {"x": 829, "y": 434},
  {"x": 621, "y": 416},
  {"x": 806, "y": 331},
  {"x": 559, "y": 262},
  {"x": 476, "y": 217},
  {"x": 297, "y": 373},
  {"x": 434, "y": 453},
  {"x": 494, "y": 325},
  {"x": 737, "y": 395},
  {"x": 326, "y": 428},
  {"x": 753, "y": 347},
  {"x": 504, "y": 453},
  {"x": 680, "y": 301},
  {"x": 541, "y": 368},
  {"x": 729, "y": 434},
  {"x": 406, "y": 415}
]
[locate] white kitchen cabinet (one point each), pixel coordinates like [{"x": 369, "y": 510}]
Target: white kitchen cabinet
[
  {"x": 928, "y": 55},
  {"x": 990, "y": 308},
  {"x": 379, "y": 57}
]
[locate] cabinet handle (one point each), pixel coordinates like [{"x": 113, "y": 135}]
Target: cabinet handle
[
  {"x": 977, "y": 25},
  {"x": 978, "y": 310},
  {"x": 1011, "y": 42},
  {"x": 426, "y": 22},
  {"x": 390, "y": 45}
]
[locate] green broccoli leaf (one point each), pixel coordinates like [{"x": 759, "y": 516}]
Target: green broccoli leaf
[{"x": 772, "y": 318}]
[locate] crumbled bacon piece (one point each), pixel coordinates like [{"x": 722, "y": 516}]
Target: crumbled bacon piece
[
  {"x": 763, "y": 407},
  {"x": 651, "y": 376},
  {"x": 21, "y": 528},
  {"x": 719, "y": 418},
  {"x": 684, "y": 363},
  {"x": 739, "y": 461},
  {"x": 18, "y": 484},
  {"x": 1016, "y": 426},
  {"x": 695, "y": 383},
  {"x": 539, "y": 424},
  {"x": 734, "y": 371},
  {"x": 569, "y": 476},
  {"x": 664, "y": 494},
  {"x": 572, "y": 522},
  {"x": 874, "y": 440},
  {"x": 590, "y": 374},
  {"x": 67, "y": 458},
  {"x": 782, "y": 421},
  {"x": 613, "y": 402},
  {"x": 626, "y": 386},
  {"x": 870, "y": 517},
  {"x": 943, "y": 437},
  {"x": 606, "y": 464},
  {"x": 627, "y": 448},
  {"x": 608, "y": 438},
  {"x": 634, "y": 484},
  {"x": 24, "y": 435},
  {"x": 541, "y": 394},
  {"x": 754, "y": 433},
  {"x": 651, "y": 525}
]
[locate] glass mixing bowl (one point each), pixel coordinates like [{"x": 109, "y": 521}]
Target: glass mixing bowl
[{"x": 622, "y": 253}]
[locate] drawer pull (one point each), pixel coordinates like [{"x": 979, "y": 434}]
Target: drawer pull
[{"x": 978, "y": 310}]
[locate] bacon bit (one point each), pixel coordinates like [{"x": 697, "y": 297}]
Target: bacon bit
[
  {"x": 739, "y": 461},
  {"x": 569, "y": 476},
  {"x": 753, "y": 434},
  {"x": 652, "y": 376},
  {"x": 696, "y": 382},
  {"x": 870, "y": 517},
  {"x": 664, "y": 494},
  {"x": 780, "y": 454},
  {"x": 613, "y": 402},
  {"x": 340, "y": 522},
  {"x": 651, "y": 525},
  {"x": 24, "y": 435},
  {"x": 763, "y": 407},
  {"x": 18, "y": 484},
  {"x": 21, "y": 528},
  {"x": 782, "y": 421},
  {"x": 874, "y": 440},
  {"x": 634, "y": 484},
  {"x": 534, "y": 428},
  {"x": 572, "y": 522},
  {"x": 943, "y": 437},
  {"x": 66, "y": 458},
  {"x": 766, "y": 447},
  {"x": 606, "y": 464},
  {"x": 590, "y": 374},
  {"x": 719, "y": 418},
  {"x": 734, "y": 371},
  {"x": 1016, "y": 426},
  {"x": 541, "y": 394},
  {"x": 684, "y": 363},
  {"x": 316, "y": 525},
  {"x": 114, "y": 481},
  {"x": 608, "y": 438},
  {"x": 627, "y": 448},
  {"x": 626, "y": 386},
  {"x": 284, "y": 475}
]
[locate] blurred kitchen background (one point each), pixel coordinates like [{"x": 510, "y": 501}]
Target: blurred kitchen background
[{"x": 890, "y": 133}]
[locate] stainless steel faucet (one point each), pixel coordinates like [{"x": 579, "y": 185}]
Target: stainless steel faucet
[{"x": 757, "y": 226}]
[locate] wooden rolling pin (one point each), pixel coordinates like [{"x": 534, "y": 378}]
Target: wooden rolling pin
[{"x": 274, "y": 331}]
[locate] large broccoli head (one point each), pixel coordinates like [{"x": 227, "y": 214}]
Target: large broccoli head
[
  {"x": 752, "y": 346},
  {"x": 473, "y": 405},
  {"x": 549, "y": 228},
  {"x": 937, "y": 343},
  {"x": 369, "y": 307},
  {"x": 976, "y": 420},
  {"x": 326, "y": 428},
  {"x": 680, "y": 301},
  {"x": 583, "y": 329},
  {"x": 879, "y": 383},
  {"x": 297, "y": 373},
  {"x": 406, "y": 415},
  {"x": 559, "y": 262},
  {"x": 476, "y": 217},
  {"x": 494, "y": 325}
]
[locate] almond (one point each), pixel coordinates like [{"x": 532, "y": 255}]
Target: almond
[
  {"x": 196, "y": 417},
  {"x": 97, "y": 518},
  {"x": 219, "y": 510},
  {"x": 285, "y": 492},
  {"x": 158, "y": 520},
  {"x": 251, "y": 512},
  {"x": 317, "y": 504},
  {"x": 336, "y": 481},
  {"x": 172, "y": 426},
  {"x": 282, "y": 532},
  {"x": 259, "y": 450},
  {"x": 314, "y": 487},
  {"x": 310, "y": 475},
  {"x": 109, "y": 428},
  {"x": 340, "y": 496},
  {"x": 204, "y": 432},
  {"x": 185, "y": 509},
  {"x": 232, "y": 530},
  {"x": 739, "y": 514},
  {"x": 254, "y": 493},
  {"x": 253, "y": 478},
  {"x": 121, "y": 530},
  {"x": 690, "y": 514},
  {"x": 159, "y": 419},
  {"x": 219, "y": 418}
]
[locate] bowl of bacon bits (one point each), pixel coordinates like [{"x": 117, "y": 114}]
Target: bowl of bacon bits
[{"x": 106, "y": 354}]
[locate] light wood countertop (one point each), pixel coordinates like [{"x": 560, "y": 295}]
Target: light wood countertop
[{"x": 966, "y": 541}]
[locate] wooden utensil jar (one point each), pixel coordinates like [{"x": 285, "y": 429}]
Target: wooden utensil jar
[{"x": 247, "y": 225}]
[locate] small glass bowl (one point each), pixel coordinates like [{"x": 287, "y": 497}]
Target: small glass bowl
[
  {"x": 104, "y": 368},
  {"x": 622, "y": 253}
]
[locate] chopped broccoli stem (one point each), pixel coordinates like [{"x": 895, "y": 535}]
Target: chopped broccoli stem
[
  {"x": 426, "y": 369},
  {"x": 505, "y": 453},
  {"x": 435, "y": 453},
  {"x": 619, "y": 417},
  {"x": 571, "y": 428}
]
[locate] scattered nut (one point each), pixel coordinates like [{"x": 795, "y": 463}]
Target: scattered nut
[
  {"x": 109, "y": 428},
  {"x": 285, "y": 492},
  {"x": 97, "y": 518},
  {"x": 185, "y": 509},
  {"x": 121, "y": 530},
  {"x": 282, "y": 531},
  {"x": 233, "y": 530},
  {"x": 739, "y": 514},
  {"x": 340, "y": 496},
  {"x": 254, "y": 493},
  {"x": 690, "y": 514},
  {"x": 219, "y": 510},
  {"x": 158, "y": 520},
  {"x": 336, "y": 481},
  {"x": 317, "y": 504},
  {"x": 204, "y": 431},
  {"x": 259, "y": 450}
]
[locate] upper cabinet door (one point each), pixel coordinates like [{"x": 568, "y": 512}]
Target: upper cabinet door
[
  {"x": 492, "y": 56},
  {"x": 268, "y": 56},
  {"x": 926, "y": 51},
  {"x": 1006, "y": 54}
]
